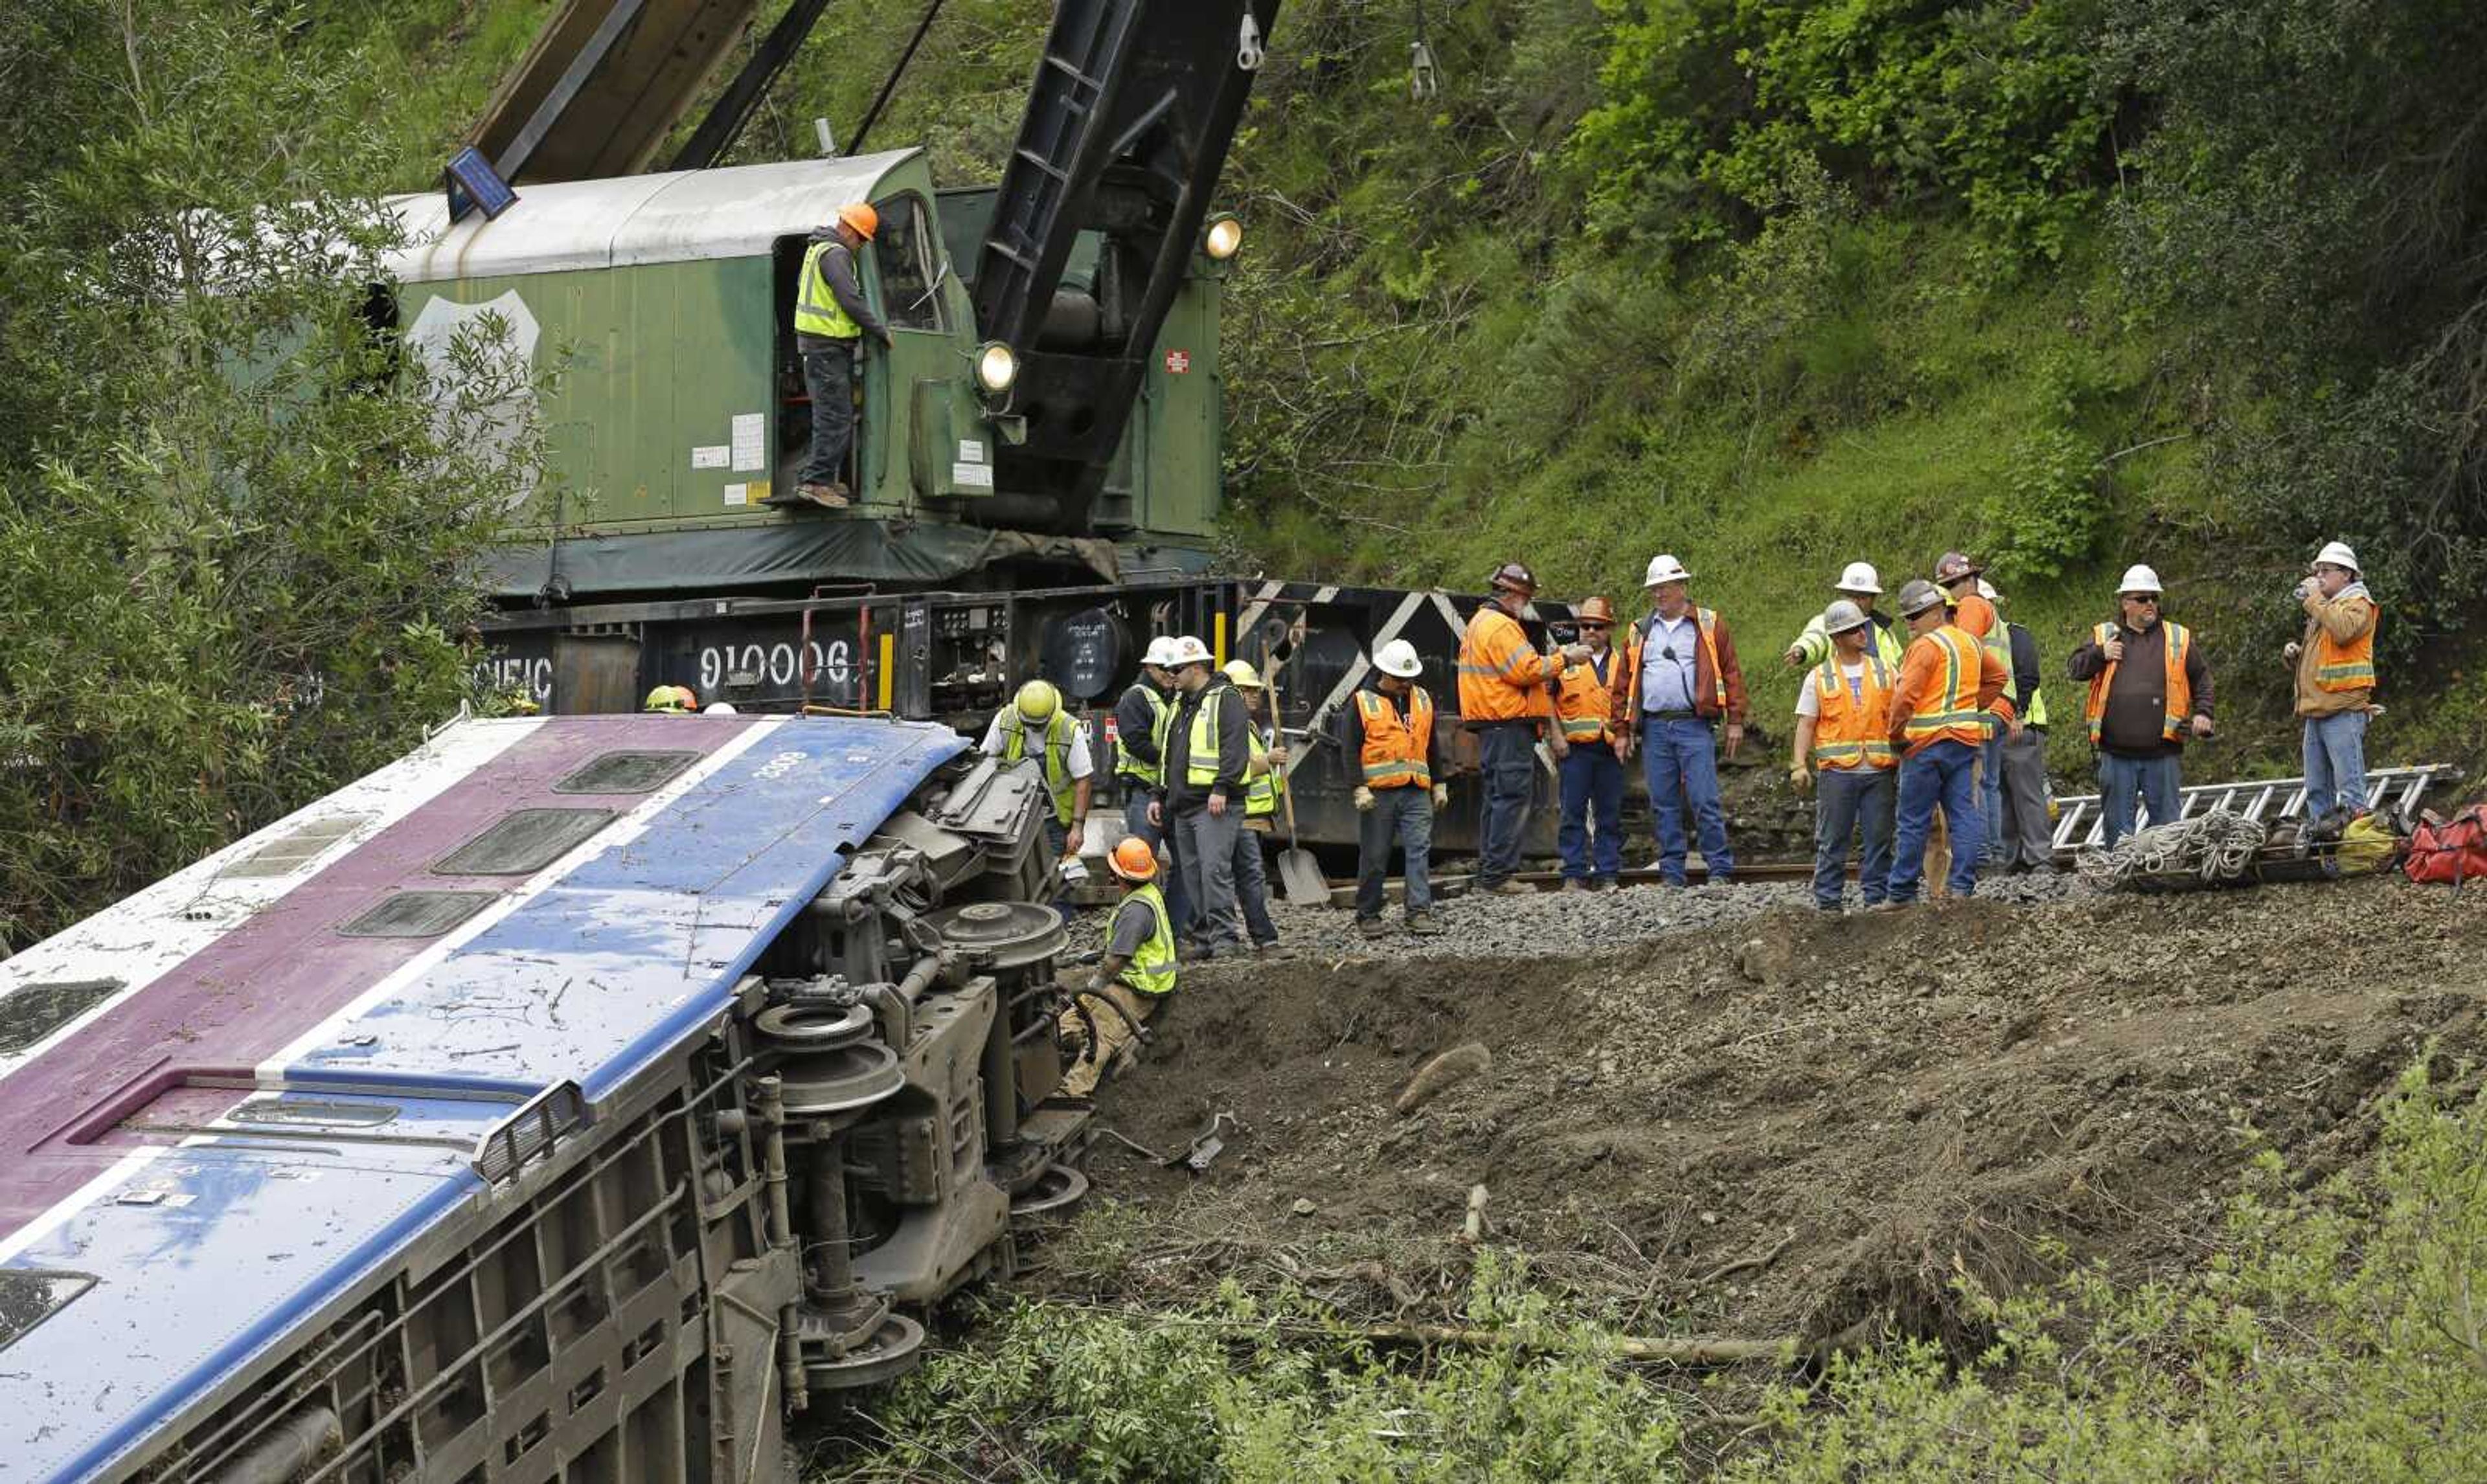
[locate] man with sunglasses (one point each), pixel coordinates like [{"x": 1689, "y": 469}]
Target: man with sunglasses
[
  {"x": 2150, "y": 690},
  {"x": 1591, "y": 774}
]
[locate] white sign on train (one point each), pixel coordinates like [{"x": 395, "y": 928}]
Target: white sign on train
[
  {"x": 775, "y": 664},
  {"x": 510, "y": 672}
]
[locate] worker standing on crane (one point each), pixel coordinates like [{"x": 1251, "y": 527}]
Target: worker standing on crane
[
  {"x": 1505, "y": 692},
  {"x": 831, "y": 319}
]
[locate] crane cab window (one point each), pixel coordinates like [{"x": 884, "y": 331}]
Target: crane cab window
[{"x": 908, "y": 256}]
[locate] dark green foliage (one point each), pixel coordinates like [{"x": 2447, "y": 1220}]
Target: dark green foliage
[{"x": 239, "y": 533}]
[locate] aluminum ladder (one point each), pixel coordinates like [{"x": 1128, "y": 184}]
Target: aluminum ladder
[{"x": 2079, "y": 822}]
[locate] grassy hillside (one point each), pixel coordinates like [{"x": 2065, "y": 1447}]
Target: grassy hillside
[{"x": 1775, "y": 289}]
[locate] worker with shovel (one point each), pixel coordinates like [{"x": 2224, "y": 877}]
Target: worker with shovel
[
  {"x": 1137, "y": 972},
  {"x": 1265, "y": 780}
]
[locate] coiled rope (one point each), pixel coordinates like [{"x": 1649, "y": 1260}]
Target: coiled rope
[{"x": 2209, "y": 849}]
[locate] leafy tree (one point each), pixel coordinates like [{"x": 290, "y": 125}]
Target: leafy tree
[{"x": 240, "y": 530}]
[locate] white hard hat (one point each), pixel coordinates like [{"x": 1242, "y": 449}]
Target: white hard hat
[
  {"x": 1986, "y": 591},
  {"x": 1161, "y": 652},
  {"x": 2139, "y": 579},
  {"x": 1399, "y": 658},
  {"x": 1664, "y": 567},
  {"x": 1858, "y": 577},
  {"x": 1186, "y": 650},
  {"x": 721, "y": 709},
  {"x": 1841, "y": 616},
  {"x": 2337, "y": 554}
]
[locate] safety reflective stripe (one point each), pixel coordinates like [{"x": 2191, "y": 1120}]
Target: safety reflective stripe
[
  {"x": 1394, "y": 751},
  {"x": 1152, "y": 969},
  {"x": 1261, "y": 794},
  {"x": 1129, "y": 767},
  {"x": 1059, "y": 729},
  {"x": 2365, "y": 671},
  {"x": 2345, "y": 665},
  {"x": 1959, "y": 690},
  {"x": 1855, "y": 734},
  {"x": 2180, "y": 693},
  {"x": 811, "y": 315}
]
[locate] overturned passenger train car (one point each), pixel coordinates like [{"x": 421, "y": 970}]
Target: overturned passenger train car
[{"x": 575, "y": 1099}]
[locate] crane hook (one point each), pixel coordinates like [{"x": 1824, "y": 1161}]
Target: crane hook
[
  {"x": 1422, "y": 81},
  {"x": 1248, "y": 54}
]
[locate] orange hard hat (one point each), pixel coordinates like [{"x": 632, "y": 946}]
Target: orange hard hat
[
  {"x": 1132, "y": 859},
  {"x": 1596, "y": 610},
  {"x": 860, "y": 215}
]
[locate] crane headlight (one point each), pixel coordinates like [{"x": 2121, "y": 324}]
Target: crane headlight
[
  {"x": 997, "y": 368},
  {"x": 1223, "y": 239}
]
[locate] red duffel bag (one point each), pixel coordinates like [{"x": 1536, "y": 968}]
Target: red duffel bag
[{"x": 2449, "y": 850}]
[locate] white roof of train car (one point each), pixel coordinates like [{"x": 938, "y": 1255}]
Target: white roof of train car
[{"x": 688, "y": 216}]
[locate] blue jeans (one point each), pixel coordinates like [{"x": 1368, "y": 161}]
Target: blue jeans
[
  {"x": 1943, "y": 775},
  {"x": 1990, "y": 791},
  {"x": 1680, "y": 761},
  {"x": 2335, "y": 763},
  {"x": 1507, "y": 757},
  {"x": 1136, "y": 820},
  {"x": 2153, "y": 781},
  {"x": 1845, "y": 798},
  {"x": 1593, "y": 785},
  {"x": 1408, "y": 816},
  {"x": 1251, "y": 888}
]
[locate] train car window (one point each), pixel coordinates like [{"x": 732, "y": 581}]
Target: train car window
[
  {"x": 626, "y": 773},
  {"x": 29, "y": 1296},
  {"x": 909, "y": 258},
  {"x": 416, "y": 914},
  {"x": 37, "y": 1010},
  {"x": 293, "y": 849},
  {"x": 524, "y": 841}
]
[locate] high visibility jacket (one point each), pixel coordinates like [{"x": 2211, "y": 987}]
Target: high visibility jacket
[
  {"x": 1814, "y": 643},
  {"x": 1161, "y": 713},
  {"x": 1268, "y": 787},
  {"x": 1395, "y": 747},
  {"x": 2179, "y": 703},
  {"x": 817, "y": 311},
  {"x": 1586, "y": 706},
  {"x": 1060, "y": 730},
  {"x": 2344, "y": 665},
  {"x": 1961, "y": 703},
  {"x": 1852, "y": 731},
  {"x": 1723, "y": 698},
  {"x": 1152, "y": 970},
  {"x": 1977, "y": 618},
  {"x": 1200, "y": 764},
  {"x": 1501, "y": 678}
]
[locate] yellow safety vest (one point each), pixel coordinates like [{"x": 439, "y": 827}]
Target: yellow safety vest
[
  {"x": 1059, "y": 731},
  {"x": 1261, "y": 796},
  {"x": 1152, "y": 970},
  {"x": 817, "y": 311},
  {"x": 1200, "y": 766},
  {"x": 1128, "y": 766}
]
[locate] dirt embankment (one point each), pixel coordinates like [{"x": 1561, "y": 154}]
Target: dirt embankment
[{"x": 1868, "y": 1103}]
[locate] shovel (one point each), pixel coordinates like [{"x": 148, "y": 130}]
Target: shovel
[{"x": 1299, "y": 875}]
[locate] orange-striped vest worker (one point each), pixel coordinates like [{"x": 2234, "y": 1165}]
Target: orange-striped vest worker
[
  {"x": 1948, "y": 713},
  {"x": 1587, "y": 704},
  {"x": 1977, "y": 618},
  {"x": 2344, "y": 665},
  {"x": 1853, "y": 728},
  {"x": 1501, "y": 678},
  {"x": 2180, "y": 691},
  {"x": 1395, "y": 746}
]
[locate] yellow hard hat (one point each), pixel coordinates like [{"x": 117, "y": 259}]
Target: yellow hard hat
[
  {"x": 1241, "y": 675},
  {"x": 1038, "y": 701},
  {"x": 671, "y": 698}
]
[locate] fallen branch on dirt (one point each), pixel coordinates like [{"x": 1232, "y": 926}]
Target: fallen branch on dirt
[
  {"x": 1444, "y": 1072},
  {"x": 1746, "y": 1264}
]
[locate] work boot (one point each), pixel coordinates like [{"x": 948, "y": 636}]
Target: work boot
[
  {"x": 1371, "y": 928},
  {"x": 1423, "y": 924},
  {"x": 828, "y": 497},
  {"x": 1575, "y": 883},
  {"x": 783, "y": 499},
  {"x": 1191, "y": 953},
  {"x": 1509, "y": 888}
]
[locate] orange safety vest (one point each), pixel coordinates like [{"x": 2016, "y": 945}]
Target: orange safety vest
[
  {"x": 1852, "y": 731},
  {"x": 2179, "y": 703},
  {"x": 1705, "y": 621},
  {"x": 1954, "y": 714},
  {"x": 2349, "y": 666},
  {"x": 1587, "y": 704},
  {"x": 1395, "y": 749},
  {"x": 1501, "y": 678}
]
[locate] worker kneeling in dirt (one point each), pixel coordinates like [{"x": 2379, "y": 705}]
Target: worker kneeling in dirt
[{"x": 1138, "y": 971}]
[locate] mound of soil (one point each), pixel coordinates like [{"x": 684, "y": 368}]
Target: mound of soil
[{"x": 1787, "y": 1124}]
